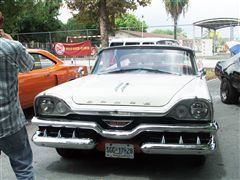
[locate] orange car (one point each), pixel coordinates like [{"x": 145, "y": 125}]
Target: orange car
[{"x": 48, "y": 71}]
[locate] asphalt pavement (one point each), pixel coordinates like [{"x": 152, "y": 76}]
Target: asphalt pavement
[{"x": 224, "y": 164}]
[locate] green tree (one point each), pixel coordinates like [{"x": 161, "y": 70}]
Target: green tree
[
  {"x": 11, "y": 17},
  {"x": 74, "y": 24},
  {"x": 130, "y": 21},
  {"x": 170, "y": 32},
  {"x": 175, "y": 8},
  {"x": 31, "y": 15},
  {"x": 76, "y": 28},
  {"x": 104, "y": 12},
  {"x": 41, "y": 16}
]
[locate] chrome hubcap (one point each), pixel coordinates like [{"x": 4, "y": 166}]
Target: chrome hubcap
[{"x": 224, "y": 91}]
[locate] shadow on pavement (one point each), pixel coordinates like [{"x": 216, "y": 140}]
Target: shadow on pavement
[
  {"x": 143, "y": 166},
  {"x": 29, "y": 113}
]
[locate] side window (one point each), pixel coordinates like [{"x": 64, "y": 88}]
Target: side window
[
  {"x": 144, "y": 43},
  {"x": 37, "y": 63},
  {"x": 132, "y": 43},
  {"x": 116, "y": 44},
  {"x": 41, "y": 61},
  {"x": 46, "y": 62},
  {"x": 167, "y": 42}
]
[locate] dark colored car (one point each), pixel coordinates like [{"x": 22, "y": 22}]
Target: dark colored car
[{"x": 228, "y": 71}]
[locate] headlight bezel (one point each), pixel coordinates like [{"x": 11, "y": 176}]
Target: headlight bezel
[
  {"x": 50, "y": 106},
  {"x": 189, "y": 110}
]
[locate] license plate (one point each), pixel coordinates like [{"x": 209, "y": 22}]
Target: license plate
[{"x": 119, "y": 150}]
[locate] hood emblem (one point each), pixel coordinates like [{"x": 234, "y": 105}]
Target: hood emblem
[
  {"x": 117, "y": 123},
  {"x": 122, "y": 86}
]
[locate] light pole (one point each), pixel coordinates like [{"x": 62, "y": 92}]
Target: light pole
[{"x": 142, "y": 25}]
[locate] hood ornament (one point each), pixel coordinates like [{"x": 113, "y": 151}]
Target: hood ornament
[
  {"x": 117, "y": 123},
  {"x": 122, "y": 86}
]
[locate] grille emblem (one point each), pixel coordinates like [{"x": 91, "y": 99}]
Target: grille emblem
[{"x": 117, "y": 123}]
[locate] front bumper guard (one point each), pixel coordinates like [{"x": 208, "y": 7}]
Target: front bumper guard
[
  {"x": 146, "y": 147},
  {"x": 60, "y": 142},
  {"x": 187, "y": 149}
]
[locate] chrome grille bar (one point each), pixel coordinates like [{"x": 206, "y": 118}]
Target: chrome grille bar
[{"x": 129, "y": 134}]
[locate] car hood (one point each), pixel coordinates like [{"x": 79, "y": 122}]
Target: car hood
[
  {"x": 228, "y": 62},
  {"x": 129, "y": 89}
]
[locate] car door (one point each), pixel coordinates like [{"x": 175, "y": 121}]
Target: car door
[
  {"x": 42, "y": 77},
  {"x": 235, "y": 77}
]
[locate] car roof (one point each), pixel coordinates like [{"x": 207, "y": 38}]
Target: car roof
[
  {"x": 140, "y": 39},
  {"x": 46, "y": 53},
  {"x": 170, "y": 47}
]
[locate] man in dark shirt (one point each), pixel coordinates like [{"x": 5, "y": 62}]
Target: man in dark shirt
[{"x": 13, "y": 135}]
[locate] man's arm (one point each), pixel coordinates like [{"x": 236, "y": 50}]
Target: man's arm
[
  {"x": 25, "y": 60},
  {"x": 5, "y": 35}
]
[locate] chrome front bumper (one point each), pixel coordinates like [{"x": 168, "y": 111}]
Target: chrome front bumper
[
  {"x": 162, "y": 147},
  {"x": 60, "y": 142},
  {"x": 191, "y": 149}
]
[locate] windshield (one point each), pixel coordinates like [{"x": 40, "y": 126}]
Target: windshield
[{"x": 138, "y": 60}]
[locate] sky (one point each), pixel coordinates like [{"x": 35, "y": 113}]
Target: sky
[{"x": 155, "y": 15}]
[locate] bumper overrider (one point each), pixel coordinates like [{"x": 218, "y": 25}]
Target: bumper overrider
[{"x": 202, "y": 142}]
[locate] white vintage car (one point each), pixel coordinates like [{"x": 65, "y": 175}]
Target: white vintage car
[{"x": 138, "y": 99}]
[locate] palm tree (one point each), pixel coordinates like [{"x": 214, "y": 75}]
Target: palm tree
[{"x": 175, "y": 8}]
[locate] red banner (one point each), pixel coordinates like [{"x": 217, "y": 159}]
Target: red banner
[{"x": 73, "y": 49}]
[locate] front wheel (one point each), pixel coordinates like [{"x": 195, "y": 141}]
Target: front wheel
[
  {"x": 67, "y": 153},
  {"x": 228, "y": 94},
  {"x": 199, "y": 160}
]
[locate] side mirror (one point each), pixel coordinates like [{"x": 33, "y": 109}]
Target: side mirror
[
  {"x": 203, "y": 72},
  {"x": 81, "y": 71}
]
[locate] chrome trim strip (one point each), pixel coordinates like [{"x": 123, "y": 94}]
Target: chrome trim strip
[
  {"x": 193, "y": 149},
  {"x": 58, "y": 142},
  {"x": 120, "y": 134}
]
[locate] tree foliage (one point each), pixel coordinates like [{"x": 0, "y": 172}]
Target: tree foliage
[
  {"x": 74, "y": 24},
  {"x": 129, "y": 21},
  {"x": 104, "y": 12},
  {"x": 180, "y": 31},
  {"x": 76, "y": 28},
  {"x": 23, "y": 16},
  {"x": 175, "y": 8}
]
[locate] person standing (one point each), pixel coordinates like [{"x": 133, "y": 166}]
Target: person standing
[{"x": 14, "y": 140}]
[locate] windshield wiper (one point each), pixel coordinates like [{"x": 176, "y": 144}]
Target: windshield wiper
[{"x": 139, "y": 69}]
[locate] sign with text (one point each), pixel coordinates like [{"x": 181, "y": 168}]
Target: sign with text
[{"x": 73, "y": 49}]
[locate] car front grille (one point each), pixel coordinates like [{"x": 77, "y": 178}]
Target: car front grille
[
  {"x": 135, "y": 121},
  {"x": 154, "y": 137}
]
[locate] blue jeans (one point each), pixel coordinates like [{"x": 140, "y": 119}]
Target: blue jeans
[{"x": 18, "y": 149}]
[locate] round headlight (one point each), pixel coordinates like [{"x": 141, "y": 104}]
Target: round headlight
[
  {"x": 199, "y": 110},
  {"x": 47, "y": 106},
  {"x": 61, "y": 107},
  {"x": 181, "y": 111}
]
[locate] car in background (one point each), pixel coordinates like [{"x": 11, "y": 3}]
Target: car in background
[
  {"x": 228, "y": 71},
  {"x": 137, "y": 99},
  {"x": 48, "y": 71},
  {"x": 142, "y": 41}
]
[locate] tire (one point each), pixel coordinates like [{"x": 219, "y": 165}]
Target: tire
[
  {"x": 67, "y": 153},
  {"x": 228, "y": 94},
  {"x": 75, "y": 153},
  {"x": 199, "y": 160}
]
